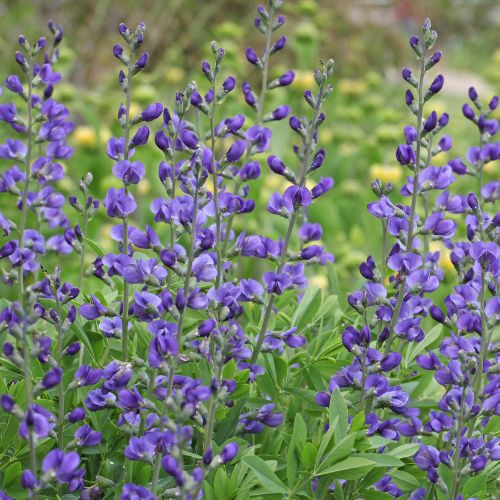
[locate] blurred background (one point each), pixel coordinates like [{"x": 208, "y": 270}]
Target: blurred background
[{"x": 368, "y": 40}]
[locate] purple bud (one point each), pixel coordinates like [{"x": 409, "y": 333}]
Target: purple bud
[
  {"x": 52, "y": 378},
  {"x": 117, "y": 50},
  {"x": 406, "y": 74},
  {"x": 468, "y": 112},
  {"x": 281, "y": 112},
  {"x": 323, "y": 399},
  {"x": 276, "y": 165},
  {"x": 7, "y": 403},
  {"x": 430, "y": 123},
  {"x": 286, "y": 78},
  {"x": 409, "y": 98},
  {"x": 28, "y": 480},
  {"x": 472, "y": 201},
  {"x": 76, "y": 415},
  {"x": 235, "y": 152},
  {"x": 437, "y": 314},
  {"x": 228, "y": 452},
  {"x": 229, "y": 83},
  {"x": 472, "y": 94},
  {"x": 161, "y": 140},
  {"x": 251, "y": 56},
  {"x": 493, "y": 103},
  {"x": 152, "y": 112},
  {"x": 141, "y": 136},
  {"x": 443, "y": 120},
  {"x": 295, "y": 123},
  {"x": 142, "y": 61},
  {"x": 391, "y": 361},
  {"x": 437, "y": 84}
]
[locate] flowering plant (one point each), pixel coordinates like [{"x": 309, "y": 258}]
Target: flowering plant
[{"x": 171, "y": 365}]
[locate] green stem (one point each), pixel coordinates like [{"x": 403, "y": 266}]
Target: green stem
[
  {"x": 180, "y": 325},
  {"x": 82, "y": 254},
  {"x": 456, "y": 457},
  {"x": 22, "y": 226},
  {"x": 215, "y": 187},
  {"x": 291, "y": 224},
  {"x": 258, "y": 121},
  {"x": 126, "y": 286},
  {"x": 411, "y": 221},
  {"x": 60, "y": 345}
]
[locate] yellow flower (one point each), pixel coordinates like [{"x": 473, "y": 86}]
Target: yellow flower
[
  {"x": 492, "y": 167},
  {"x": 319, "y": 280},
  {"x": 386, "y": 173},
  {"x": 441, "y": 158},
  {"x": 135, "y": 109},
  {"x": 326, "y": 135},
  {"x": 85, "y": 136},
  {"x": 352, "y": 87},
  {"x": 104, "y": 135},
  {"x": 496, "y": 56},
  {"x": 444, "y": 261},
  {"x": 174, "y": 74},
  {"x": 105, "y": 241},
  {"x": 303, "y": 79},
  {"x": 144, "y": 187}
]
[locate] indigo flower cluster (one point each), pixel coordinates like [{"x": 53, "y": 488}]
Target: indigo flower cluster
[
  {"x": 192, "y": 360},
  {"x": 395, "y": 306},
  {"x": 176, "y": 353}
]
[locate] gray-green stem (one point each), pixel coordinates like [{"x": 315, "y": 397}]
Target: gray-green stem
[
  {"x": 60, "y": 345},
  {"x": 258, "y": 121},
  {"x": 291, "y": 224},
  {"x": 126, "y": 286},
  {"x": 411, "y": 221},
  {"x": 22, "y": 226},
  {"x": 180, "y": 325}
]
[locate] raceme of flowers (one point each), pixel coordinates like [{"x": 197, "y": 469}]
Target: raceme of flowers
[{"x": 185, "y": 397}]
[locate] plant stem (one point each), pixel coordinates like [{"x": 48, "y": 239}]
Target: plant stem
[
  {"x": 258, "y": 121},
  {"x": 411, "y": 221},
  {"x": 126, "y": 287},
  {"x": 82, "y": 254},
  {"x": 456, "y": 456},
  {"x": 60, "y": 340},
  {"x": 180, "y": 325},
  {"x": 215, "y": 187},
  {"x": 291, "y": 224},
  {"x": 22, "y": 226}
]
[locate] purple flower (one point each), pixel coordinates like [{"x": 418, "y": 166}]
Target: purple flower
[
  {"x": 132, "y": 491},
  {"x": 152, "y": 112},
  {"x": 129, "y": 172},
  {"x": 119, "y": 203},
  {"x": 85, "y": 436},
  {"x": 228, "y": 453}
]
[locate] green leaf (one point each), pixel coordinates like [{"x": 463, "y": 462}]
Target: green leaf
[
  {"x": 12, "y": 473},
  {"x": 375, "y": 495},
  {"x": 325, "y": 441},
  {"x": 299, "y": 435},
  {"x": 308, "y": 455},
  {"x": 268, "y": 479},
  {"x": 382, "y": 459},
  {"x": 340, "y": 451},
  {"x": 474, "y": 486},
  {"x": 405, "y": 480},
  {"x": 405, "y": 450},
  {"x": 97, "y": 249},
  {"x": 357, "y": 422},
  {"x": 350, "y": 468},
  {"x": 416, "y": 348},
  {"x": 308, "y": 306},
  {"x": 338, "y": 408}
]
